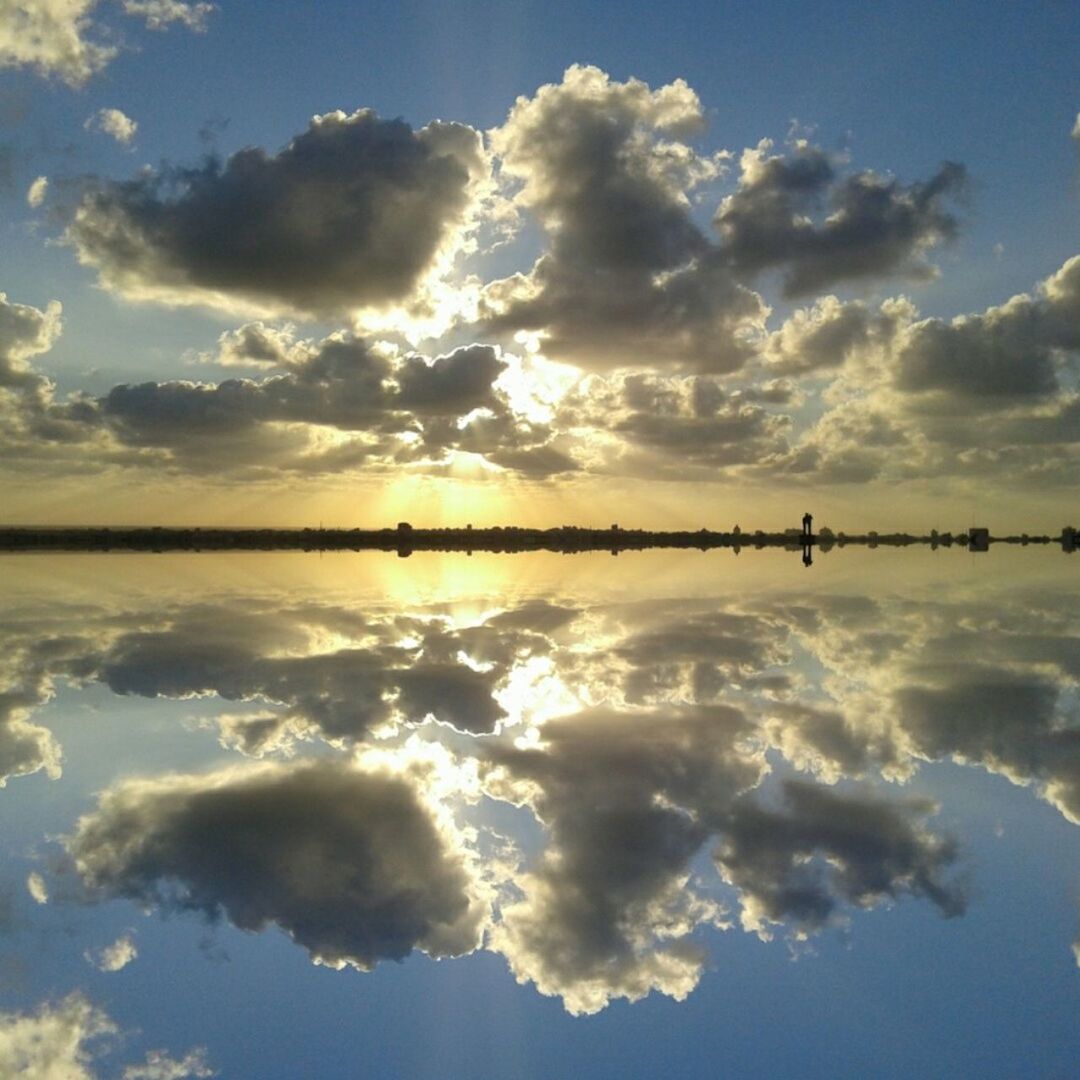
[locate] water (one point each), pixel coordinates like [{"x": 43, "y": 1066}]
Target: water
[{"x": 537, "y": 815}]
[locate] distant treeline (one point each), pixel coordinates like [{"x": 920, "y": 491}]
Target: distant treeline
[{"x": 405, "y": 539}]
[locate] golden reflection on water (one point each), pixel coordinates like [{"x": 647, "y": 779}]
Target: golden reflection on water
[{"x": 440, "y": 577}]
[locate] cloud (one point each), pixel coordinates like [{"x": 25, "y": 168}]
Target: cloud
[
  {"x": 628, "y": 799},
  {"x": 874, "y": 226},
  {"x": 1010, "y": 721},
  {"x": 25, "y": 748},
  {"x": 997, "y": 358},
  {"x": 257, "y": 345},
  {"x": 796, "y": 864},
  {"x": 53, "y": 1041},
  {"x": 830, "y": 334},
  {"x": 25, "y": 331},
  {"x": 35, "y": 194},
  {"x": 114, "y": 957},
  {"x": 68, "y": 1040},
  {"x": 160, "y": 1066},
  {"x": 36, "y": 887},
  {"x": 629, "y": 278},
  {"x": 114, "y": 123},
  {"x": 61, "y": 37},
  {"x": 978, "y": 396},
  {"x": 989, "y": 686},
  {"x": 355, "y": 212},
  {"x": 351, "y": 864},
  {"x": 679, "y": 428},
  {"x": 54, "y": 37},
  {"x": 338, "y": 405},
  {"x": 343, "y": 693},
  {"x": 159, "y": 14}
]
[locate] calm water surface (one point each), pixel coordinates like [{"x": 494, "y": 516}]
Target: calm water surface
[{"x": 537, "y": 816}]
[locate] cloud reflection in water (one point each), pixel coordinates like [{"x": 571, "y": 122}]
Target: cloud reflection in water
[{"x": 688, "y": 764}]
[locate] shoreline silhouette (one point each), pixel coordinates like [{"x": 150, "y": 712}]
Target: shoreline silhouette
[{"x": 568, "y": 539}]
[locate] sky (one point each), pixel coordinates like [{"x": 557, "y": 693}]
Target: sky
[{"x": 671, "y": 266}]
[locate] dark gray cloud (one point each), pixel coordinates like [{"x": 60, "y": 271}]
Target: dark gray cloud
[
  {"x": 351, "y": 213},
  {"x": 351, "y": 864},
  {"x": 394, "y": 410},
  {"x": 629, "y": 278},
  {"x": 449, "y": 385},
  {"x": 998, "y": 358},
  {"x": 874, "y": 226},
  {"x": 342, "y": 693},
  {"x": 796, "y": 864},
  {"x": 627, "y": 798},
  {"x": 1011, "y": 721},
  {"x": 700, "y": 653}
]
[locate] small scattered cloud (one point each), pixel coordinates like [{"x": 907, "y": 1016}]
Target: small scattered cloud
[
  {"x": 71, "y": 1039},
  {"x": 35, "y": 194},
  {"x": 114, "y": 957},
  {"x": 160, "y": 14},
  {"x": 57, "y": 1040},
  {"x": 36, "y": 887},
  {"x": 64, "y": 39},
  {"x": 113, "y": 122}
]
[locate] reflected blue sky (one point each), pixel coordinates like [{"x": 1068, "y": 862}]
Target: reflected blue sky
[{"x": 619, "y": 822}]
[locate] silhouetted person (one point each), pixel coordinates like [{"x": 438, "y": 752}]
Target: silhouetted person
[{"x": 807, "y": 523}]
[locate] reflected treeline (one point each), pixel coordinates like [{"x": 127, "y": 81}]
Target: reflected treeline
[
  {"x": 405, "y": 539},
  {"x": 686, "y": 763}
]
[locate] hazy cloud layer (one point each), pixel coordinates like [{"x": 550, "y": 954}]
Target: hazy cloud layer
[{"x": 352, "y": 213}]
